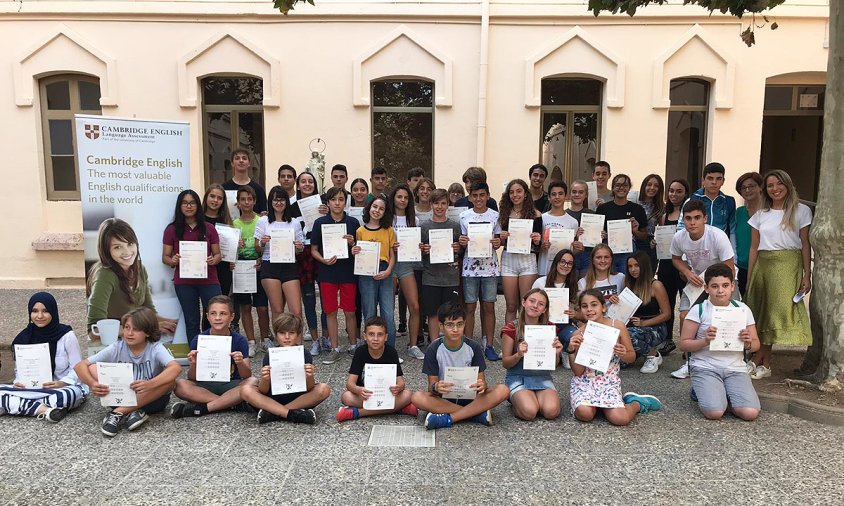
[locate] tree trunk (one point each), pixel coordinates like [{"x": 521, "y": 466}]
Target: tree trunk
[{"x": 827, "y": 307}]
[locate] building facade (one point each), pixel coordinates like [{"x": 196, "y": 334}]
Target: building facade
[{"x": 443, "y": 85}]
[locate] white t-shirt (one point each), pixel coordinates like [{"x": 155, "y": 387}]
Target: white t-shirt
[
  {"x": 716, "y": 360},
  {"x": 264, "y": 226},
  {"x": 609, "y": 287},
  {"x": 713, "y": 247},
  {"x": 67, "y": 356},
  {"x": 540, "y": 283},
  {"x": 480, "y": 267},
  {"x": 423, "y": 216},
  {"x": 772, "y": 237},
  {"x": 399, "y": 221},
  {"x": 549, "y": 222}
]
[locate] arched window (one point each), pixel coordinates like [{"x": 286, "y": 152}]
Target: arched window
[{"x": 687, "y": 117}]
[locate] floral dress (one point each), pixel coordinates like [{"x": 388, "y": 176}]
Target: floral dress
[{"x": 598, "y": 389}]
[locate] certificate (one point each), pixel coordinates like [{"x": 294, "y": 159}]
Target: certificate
[
  {"x": 461, "y": 378},
  {"x": 356, "y": 213},
  {"x": 213, "y": 358},
  {"x": 541, "y": 355},
  {"x": 592, "y": 188},
  {"x": 117, "y": 377},
  {"x": 409, "y": 239},
  {"x": 193, "y": 259},
  {"x": 480, "y": 235},
  {"x": 592, "y": 225},
  {"x": 596, "y": 350},
  {"x": 558, "y": 302},
  {"x": 229, "y": 241},
  {"x": 244, "y": 279},
  {"x": 333, "y": 242},
  {"x": 620, "y": 236},
  {"x": 558, "y": 239},
  {"x": 309, "y": 207},
  {"x": 633, "y": 196},
  {"x": 287, "y": 370},
  {"x": 367, "y": 260},
  {"x": 693, "y": 292},
  {"x": 282, "y": 249},
  {"x": 729, "y": 321},
  {"x": 627, "y": 305},
  {"x": 663, "y": 236},
  {"x": 519, "y": 240},
  {"x": 378, "y": 378},
  {"x": 441, "y": 241},
  {"x": 453, "y": 213},
  {"x": 32, "y": 364},
  {"x": 231, "y": 203}
]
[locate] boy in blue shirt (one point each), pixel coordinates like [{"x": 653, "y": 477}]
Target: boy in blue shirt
[{"x": 720, "y": 208}]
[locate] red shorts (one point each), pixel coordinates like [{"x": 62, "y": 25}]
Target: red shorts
[{"x": 328, "y": 296}]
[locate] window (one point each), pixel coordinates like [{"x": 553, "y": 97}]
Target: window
[
  {"x": 687, "y": 130},
  {"x": 233, "y": 118},
  {"x": 61, "y": 97},
  {"x": 570, "y": 104},
  {"x": 403, "y": 127}
]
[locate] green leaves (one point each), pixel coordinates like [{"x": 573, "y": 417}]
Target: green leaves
[
  {"x": 737, "y": 8},
  {"x": 286, "y": 6}
]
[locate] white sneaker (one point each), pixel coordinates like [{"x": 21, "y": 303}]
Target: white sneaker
[
  {"x": 681, "y": 373},
  {"x": 251, "y": 349},
  {"x": 564, "y": 360},
  {"x": 651, "y": 364},
  {"x": 415, "y": 352},
  {"x": 751, "y": 367},
  {"x": 315, "y": 348},
  {"x": 761, "y": 372},
  {"x": 351, "y": 349},
  {"x": 401, "y": 360}
]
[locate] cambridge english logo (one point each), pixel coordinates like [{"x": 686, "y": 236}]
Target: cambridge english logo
[{"x": 92, "y": 131}]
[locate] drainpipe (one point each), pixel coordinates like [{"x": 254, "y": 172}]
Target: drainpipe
[{"x": 483, "y": 71}]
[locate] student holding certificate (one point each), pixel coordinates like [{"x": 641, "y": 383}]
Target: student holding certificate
[
  {"x": 652, "y": 200},
  {"x": 190, "y": 225},
  {"x": 441, "y": 270},
  {"x": 518, "y": 267},
  {"x": 593, "y": 390},
  {"x": 51, "y": 400},
  {"x": 455, "y": 350},
  {"x": 559, "y": 228},
  {"x": 647, "y": 326},
  {"x": 577, "y": 208},
  {"x": 601, "y": 173},
  {"x": 404, "y": 218},
  {"x": 602, "y": 276},
  {"x": 215, "y": 207},
  {"x": 247, "y": 223},
  {"x": 621, "y": 209},
  {"x": 720, "y": 380},
  {"x": 532, "y": 392},
  {"x": 563, "y": 275},
  {"x": 293, "y": 407},
  {"x": 211, "y": 396},
  {"x": 376, "y": 351},
  {"x": 155, "y": 371}
]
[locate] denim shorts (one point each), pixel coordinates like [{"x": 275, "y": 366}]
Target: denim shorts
[
  {"x": 402, "y": 269},
  {"x": 517, "y": 264},
  {"x": 485, "y": 288},
  {"x": 519, "y": 382}
]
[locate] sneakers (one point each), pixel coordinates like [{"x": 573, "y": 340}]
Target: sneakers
[
  {"x": 401, "y": 360},
  {"x": 491, "y": 354},
  {"x": 437, "y": 421},
  {"x": 251, "y": 349},
  {"x": 183, "y": 409},
  {"x": 351, "y": 349},
  {"x": 666, "y": 347},
  {"x": 265, "y": 416},
  {"x": 651, "y": 364},
  {"x": 268, "y": 343},
  {"x": 315, "y": 348},
  {"x": 301, "y": 416},
  {"x": 761, "y": 372},
  {"x": 410, "y": 410},
  {"x": 347, "y": 413},
  {"x": 751, "y": 367},
  {"x": 564, "y": 360},
  {"x": 484, "y": 418},
  {"x": 415, "y": 352},
  {"x": 402, "y": 330},
  {"x": 111, "y": 423},
  {"x": 681, "y": 373},
  {"x": 332, "y": 357},
  {"x": 646, "y": 402},
  {"x": 53, "y": 415},
  {"x": 325, "y": 343},
  {"x": 136, "y": 419}
]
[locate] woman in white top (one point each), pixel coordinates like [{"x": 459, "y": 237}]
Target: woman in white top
[
  {"x": 601, "y": 276},
  {"x": 779, "y": 266},
  {"x": 50, "y": 400},
  {"x": 422, "y": 195}
]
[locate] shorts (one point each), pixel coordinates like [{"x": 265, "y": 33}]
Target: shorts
[
  {"x": 281, "y": 272},
  {"x": 257, "y": 299},
  {"x": 402, "y": 269},
  {"x": 158, "y": 405},
  {"x": 328, "y": 297},
  {"x": 518, "y": 264},
  {"x": 286, "y": 399},
  {"x": 484, "y": 288},
  {"x": 716, "y": 389},
  {"x": 219, "y": 387},
  {"x": 435, "y": 296},
  {"x": 519, "y": 382}
]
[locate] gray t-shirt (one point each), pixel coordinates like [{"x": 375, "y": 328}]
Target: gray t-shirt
[
  {"x": 438, "y": 356},
  {"x": 440, "y": 274},
  {"x": 147, "y": 365}
]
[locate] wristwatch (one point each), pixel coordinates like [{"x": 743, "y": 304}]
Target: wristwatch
[{"x": 434, "y": 388}]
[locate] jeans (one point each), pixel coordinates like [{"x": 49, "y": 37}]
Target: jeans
[
  {"x": 379, "y": 293},
  {"x": 190, "y": 297},
  {"x": 309, "y": 300},
  {"x": 564, "y": 333}
]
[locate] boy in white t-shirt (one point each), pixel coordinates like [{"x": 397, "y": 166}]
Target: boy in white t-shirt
[
  {"x": 719, "y": 378},
  {"x": 557, "y": 217}
]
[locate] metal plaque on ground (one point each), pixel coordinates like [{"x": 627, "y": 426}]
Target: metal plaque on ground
[{"x": 401, "y": 435}]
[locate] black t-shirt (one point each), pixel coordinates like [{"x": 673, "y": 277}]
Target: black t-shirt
[
  {"x": 260, "y": 193},
  {"x": 614, "y": 211},
  {"x": 362, "y": 357},
  {"x": 542, "y": 204}
]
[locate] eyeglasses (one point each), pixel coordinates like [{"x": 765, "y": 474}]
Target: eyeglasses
[
  {"x": 748, "y": 187},
  {"x": 279, "y": 199},
  {"x": 454, "y": 325},
  {"x": 621, "y": 185},
  {"x": 566, "y": 264},
  {"x": 189, "y": 203}
]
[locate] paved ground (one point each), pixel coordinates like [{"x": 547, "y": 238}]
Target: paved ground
[{"x": 670, "y": 457}]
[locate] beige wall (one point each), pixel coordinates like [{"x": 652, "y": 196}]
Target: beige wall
[{"x": 316, "y": 64}]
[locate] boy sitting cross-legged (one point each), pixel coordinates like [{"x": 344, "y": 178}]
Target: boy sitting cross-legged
[{"x": 456, "y": 350}]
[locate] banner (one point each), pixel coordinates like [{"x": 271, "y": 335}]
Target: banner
[{"x": 130, "y": 174}]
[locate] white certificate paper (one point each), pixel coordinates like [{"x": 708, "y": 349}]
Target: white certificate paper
[
  {"x": 213, "y": 359},
  {"x": 409, "y": 239},
  {"x": 453, "y": 213},
  {"x": 729, "y": 321},
  {"x": 117, "y": 377},
  {"x": 231, "y": 203},
  {"x": 333, "y": 243},
  {"x": 627, "y": 305},
  {"x": 592, "y": 225},
  {"x": 558, "y": 239},
  {"x": 620, "y": 236},
  {"x": 229, "y": 241},
  {"x": 541, "y": 355},
  {"x": 366, "y": 262},
  {"x": 596, "y": 350},
  {"x": 633, "y": 196},
  {"x": 663, "y": 236},
  {"x": 282, "y": 249},
  {"x": 693, "y": 292},
  {"x": 378, "y": 378},
  {"x": 519, "y": 240},
  {"x": 356, "y": 213},
  {"x": 441, "y": 241},
  {"x": 461, "y": 378},
  {"x": 193, "y": 259},
  {"x": 592, "y": 199},
  {"x": 244, "y": 279},
  {"x": 287, "y": 370},
  {"x": 480, "y": 235},
  {"x": 558, "y": 302},
  {"x": 309, "y": 207},
  {"x": 32, "y": 362}
]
